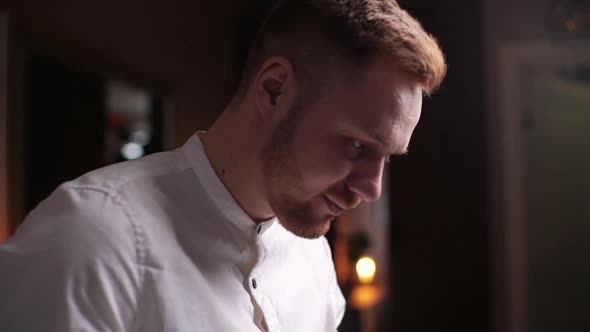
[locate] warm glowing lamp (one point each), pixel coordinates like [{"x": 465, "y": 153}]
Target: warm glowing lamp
[
  {"x": 367, "y": 294},
  {"x": 365, "y": 269}
]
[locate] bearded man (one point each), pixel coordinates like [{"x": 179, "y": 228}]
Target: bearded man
[{"x": 226, "y": 232}]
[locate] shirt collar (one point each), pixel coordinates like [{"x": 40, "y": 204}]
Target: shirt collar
[{"x": 194, "y": 152}]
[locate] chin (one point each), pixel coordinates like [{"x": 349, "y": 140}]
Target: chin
[
  {"x": 307, "y": 219},
  {"x": 308, "y": 229}
]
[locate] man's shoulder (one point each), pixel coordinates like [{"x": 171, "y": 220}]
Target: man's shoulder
[
  {"x": 77, "y": 254},
  {"x": 97, "y": 205},
  {"x": 96, "y": 198},
  {"x": 78, "y": 219},
  {"x": 93, "y": 211},
  {"x": 114, "y": 176},
  {"x": 100, "y": 209}
]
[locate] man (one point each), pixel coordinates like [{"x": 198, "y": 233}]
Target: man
[{"x": 226, "y": 233}]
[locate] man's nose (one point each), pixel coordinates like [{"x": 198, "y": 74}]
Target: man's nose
[{"x": 366, "y": 179}]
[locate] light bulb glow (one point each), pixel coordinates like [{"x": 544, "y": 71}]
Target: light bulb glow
[
  {"x": 365, "y": 269},
  {"x": 131, "y": 150}
]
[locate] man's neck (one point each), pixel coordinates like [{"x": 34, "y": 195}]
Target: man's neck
[{"x": 234, "y": 152}]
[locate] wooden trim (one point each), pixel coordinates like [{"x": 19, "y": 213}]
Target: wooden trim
[{"x": 4, "y": 213}]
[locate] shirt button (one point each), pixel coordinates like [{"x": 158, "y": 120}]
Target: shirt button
[{"x": 254, "y": 284}]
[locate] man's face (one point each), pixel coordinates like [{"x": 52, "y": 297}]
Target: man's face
[{"x": 328, "y": 155}]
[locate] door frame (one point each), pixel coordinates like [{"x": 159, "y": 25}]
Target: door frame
[{"x": 510, "y": 225}]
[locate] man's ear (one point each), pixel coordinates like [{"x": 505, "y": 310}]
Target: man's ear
[{"x": 274, "y": 86}]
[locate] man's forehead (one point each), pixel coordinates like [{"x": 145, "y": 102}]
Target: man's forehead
[
  {"x": 388, "y": 138},
  {"x": 399, "y": 147}
]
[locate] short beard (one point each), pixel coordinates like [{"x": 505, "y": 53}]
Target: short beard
[{"x": 284, "y": 182}]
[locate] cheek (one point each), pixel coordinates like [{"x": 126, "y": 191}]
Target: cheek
[{"x": 321, "y": 167}]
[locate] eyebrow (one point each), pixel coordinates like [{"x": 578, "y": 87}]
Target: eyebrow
[
  {"x": 371, "y": 138},
  {"x": 377, "y": 138},
  {"x": 374, "y": 141}
]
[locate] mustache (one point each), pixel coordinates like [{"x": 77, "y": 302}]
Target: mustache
[{"x": 346, "y": 198}]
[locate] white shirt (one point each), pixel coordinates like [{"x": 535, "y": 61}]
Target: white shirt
[{"x": 159, "y": 244}]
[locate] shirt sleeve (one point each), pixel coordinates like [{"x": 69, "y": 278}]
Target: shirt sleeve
[{"x": 71, "y": 266}]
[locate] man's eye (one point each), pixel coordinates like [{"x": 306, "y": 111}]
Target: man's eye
[
  {"x": 358, "y": 145},
  {"x": 359, "y": 149}
]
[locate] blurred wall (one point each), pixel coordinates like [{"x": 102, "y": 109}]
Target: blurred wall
[
  {"x": 441, "y": 259},
  {"x": 184, "y": 45}
]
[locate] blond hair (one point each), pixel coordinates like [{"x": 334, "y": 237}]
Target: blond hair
[{"x": 346, "y": 34}]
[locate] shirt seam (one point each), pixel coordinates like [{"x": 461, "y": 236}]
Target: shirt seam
[{"x": 138, "y": 237}]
